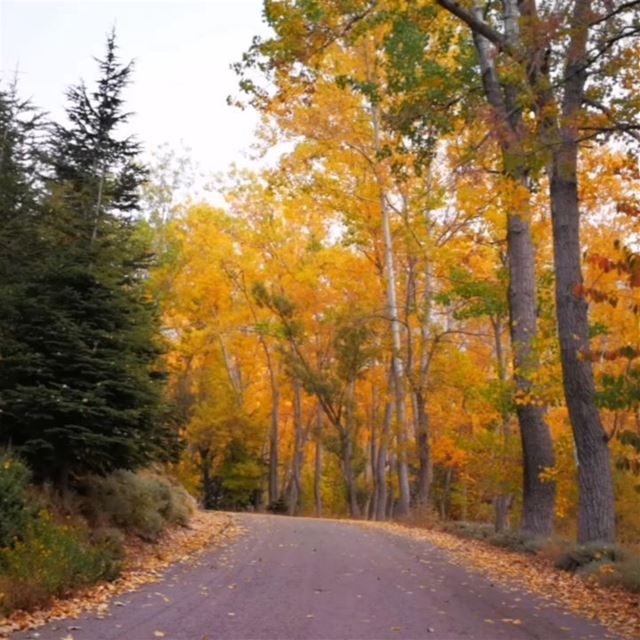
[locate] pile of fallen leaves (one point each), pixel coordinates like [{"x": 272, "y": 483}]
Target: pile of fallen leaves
[
  {"x": 615, "y": 608},
  {"x": 144, "y": 563}
]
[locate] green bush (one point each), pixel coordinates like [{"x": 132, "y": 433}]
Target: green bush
[
  {"x": 579, "y": 555},
  {"x": 15, "y": 513},
  {"x": 51, "y": 560},
  {"x": 475, "y": 530},
  {"x": 144, "y": 504},
  {"x": 517, "y": 541}
]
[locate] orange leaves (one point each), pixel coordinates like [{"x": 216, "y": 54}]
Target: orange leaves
[
  {"x": 595, "y": 355},
  {"x": 595, "y": 295},
  {"x": 629, "y": 265}
]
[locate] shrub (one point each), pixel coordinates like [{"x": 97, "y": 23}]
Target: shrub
[
  {"x": 476, "y": 530},
  {"x": 576, "y": 556},
  {"x": 51, "y": 560},
  {"x": 278, "y": 506},
  {"x": 625, "y": 573},
  {"x": 143, "y": 504},
  {"x": 517, "y": 541},
  {"x": 15, "y": 513}
]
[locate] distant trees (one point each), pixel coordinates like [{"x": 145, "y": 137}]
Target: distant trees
[{"x": 80, "y": 383}]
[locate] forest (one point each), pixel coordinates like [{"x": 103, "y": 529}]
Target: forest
[{"x": 425, "y": 309}]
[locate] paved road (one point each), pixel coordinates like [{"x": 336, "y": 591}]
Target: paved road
[{"x": 318, "y": 579}]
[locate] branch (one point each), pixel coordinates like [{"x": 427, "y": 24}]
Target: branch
[
  {"x": 630, "y": 129},
  {"x": 475, "y": 24},
  {"x": 621, "y": 9}
]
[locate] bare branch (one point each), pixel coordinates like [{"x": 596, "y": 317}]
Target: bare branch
[{"x": 475, "y": 24}]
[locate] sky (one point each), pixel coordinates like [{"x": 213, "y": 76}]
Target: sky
[{"x": 182, "y": 51}]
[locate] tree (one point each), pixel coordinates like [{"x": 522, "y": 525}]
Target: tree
[
  {"x": 81, "y": 386},
  {"x": 565, "y": 63}
]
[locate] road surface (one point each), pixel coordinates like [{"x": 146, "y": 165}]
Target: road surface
[{"x": 302, "y": 579}]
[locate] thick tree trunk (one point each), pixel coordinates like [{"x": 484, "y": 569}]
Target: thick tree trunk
[
  {"x": 537, "y": 446},
  {"x": 596, "y": 517},
  {"x": 596, "y": 506}
]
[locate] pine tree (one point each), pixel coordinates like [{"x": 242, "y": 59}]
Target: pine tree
[{"x": 83, "y": 391}]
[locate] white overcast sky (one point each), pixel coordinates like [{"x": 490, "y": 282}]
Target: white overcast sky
[{"x": 182, "y": 51}]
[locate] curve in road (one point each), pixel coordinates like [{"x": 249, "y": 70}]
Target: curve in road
[{"x": 303, "y": 579}]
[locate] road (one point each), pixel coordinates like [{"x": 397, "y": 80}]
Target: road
[{"x": 305, "y": 579}]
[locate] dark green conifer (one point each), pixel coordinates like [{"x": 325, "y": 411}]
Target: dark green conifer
[{"x": 83, "y": 391}]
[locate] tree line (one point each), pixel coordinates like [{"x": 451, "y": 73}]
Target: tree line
[{"x": 446, "y": 157}]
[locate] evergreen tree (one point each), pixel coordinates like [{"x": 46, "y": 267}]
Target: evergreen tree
[{"x": 81, "y": 390}]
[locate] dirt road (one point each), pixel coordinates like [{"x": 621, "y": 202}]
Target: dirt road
[{"x": 319, "y": 579}]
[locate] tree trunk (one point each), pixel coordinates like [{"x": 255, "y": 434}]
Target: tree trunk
[
  {"x": 349, "y": 477},
  {"x": 502, "y": 506},
  {"x": 317, "y": 477},
  {"x": 444, "y": 502},
  {"x": 273, "y": 444},
  {"x": 372, "y": 502},
  {"x": 538, "y": 502},
  {"x": 423, "y": 448},
  {"x": 381, "y": 464},
  {"x": 596, "y": 517},
  {"x": 396, "y": 333},
  {"x": 298, "y": 444},
  {"x": 537, "y": 444},
  {"x": 596, "y": 506}
]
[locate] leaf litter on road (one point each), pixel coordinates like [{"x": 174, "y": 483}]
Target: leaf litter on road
[
  {"x": 616, "y": 609},
  {"x": 144, "y": 564}
]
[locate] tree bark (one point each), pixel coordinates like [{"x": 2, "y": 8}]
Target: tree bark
[
  {"x": 596, "y": 506},
  {"x": 596, "y": 517},
  {"x": 537, "y": 446}
]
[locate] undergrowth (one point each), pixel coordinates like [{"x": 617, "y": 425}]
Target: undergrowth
[
  {"x": 50, "y": 560},
  {"x": 51, "y": 546},
  {"x": 140, "y": 503},
  {"x": 610, "y": 565}
]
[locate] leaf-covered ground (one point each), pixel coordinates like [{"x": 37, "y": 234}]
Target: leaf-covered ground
[
  {"x": 144, "y": 563},
  {"x": 615, "y": 608}
]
